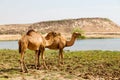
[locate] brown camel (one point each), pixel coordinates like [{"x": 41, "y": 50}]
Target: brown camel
[
  {"x": 60, "y": 42},
  {"x": 34, "y": 41}
]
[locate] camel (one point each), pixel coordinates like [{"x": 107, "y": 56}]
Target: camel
[
  {"x": 35, "y": 41},
  {"x": 60, "y": 43}
]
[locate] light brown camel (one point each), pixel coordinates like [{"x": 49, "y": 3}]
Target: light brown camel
[
  {"x": 60, "y": 43},
  {"x": 34, "y": 41}
]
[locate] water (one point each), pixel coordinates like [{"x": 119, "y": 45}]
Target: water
[
  {"x": 87, "y": 44},
  {"x": 96, "y": 44},
  {"x": 8, "y": 44}
]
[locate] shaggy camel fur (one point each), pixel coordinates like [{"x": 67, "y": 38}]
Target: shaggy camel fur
[
  {"x": 60, "y": 42},
  {"x": 35, "y": 41}
]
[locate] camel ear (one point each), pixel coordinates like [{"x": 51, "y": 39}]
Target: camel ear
[{"x": 59, "y": 34}]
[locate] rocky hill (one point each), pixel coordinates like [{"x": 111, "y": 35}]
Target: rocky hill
[
  {"x": 90, "y": 26},
  {"x": 86, "y": 24},
  {"x": 13, "y": 28}
]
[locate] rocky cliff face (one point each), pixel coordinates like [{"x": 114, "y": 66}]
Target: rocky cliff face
[{"x": 88, "y": 25}]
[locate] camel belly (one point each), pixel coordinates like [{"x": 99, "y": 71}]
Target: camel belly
[
  {"x": 33, "y": 47},
  {"x": 54, "y": 46}
]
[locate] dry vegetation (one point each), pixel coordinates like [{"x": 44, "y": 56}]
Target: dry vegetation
[{"x": 78, "y": 65}]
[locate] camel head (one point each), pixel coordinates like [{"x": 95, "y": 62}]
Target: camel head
[
  {"x": 51, "y": 35},
  {"x": 76, "y": 34}
]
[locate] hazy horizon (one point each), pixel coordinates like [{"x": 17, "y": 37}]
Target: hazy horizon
[{"x": 30, "y": 11}]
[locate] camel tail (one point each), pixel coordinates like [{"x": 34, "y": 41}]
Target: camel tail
[{"x": 19, "y": 43}]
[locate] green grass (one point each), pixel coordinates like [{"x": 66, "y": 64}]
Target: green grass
[
  {"x": 97, "y": 63},
  {"x": 3, "y": 79}
]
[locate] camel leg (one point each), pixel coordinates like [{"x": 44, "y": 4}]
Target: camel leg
[
  {"x": 37, "y": 63},
  {"x": 23, "y": 66},
  {"x": 60, "y": 60},
  {"x": 62, "y": 56},
  {"x": 43, "y": 58}
]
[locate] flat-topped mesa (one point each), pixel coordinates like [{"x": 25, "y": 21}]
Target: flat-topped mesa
[{"x": 66, "y": 26}]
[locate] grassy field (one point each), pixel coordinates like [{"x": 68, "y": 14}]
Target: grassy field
[{"x": 78, "y": 65}]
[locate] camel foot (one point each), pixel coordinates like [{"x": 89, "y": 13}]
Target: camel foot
[
  {"x": 24, "y": 71},
  {"x": 37, "y": 67},
  {"x": 61, "y": 64},
  {"x": 23, "y": 67},
  {"x": 45, "y": 67}
]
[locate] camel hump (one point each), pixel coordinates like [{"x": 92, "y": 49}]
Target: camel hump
[{"x": 30, "y": 31}]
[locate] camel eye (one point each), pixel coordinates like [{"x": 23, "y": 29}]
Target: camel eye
[{"x": 53, "y": 33}]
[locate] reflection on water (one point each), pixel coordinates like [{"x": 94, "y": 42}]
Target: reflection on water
[{"x": 87, "y": 44}]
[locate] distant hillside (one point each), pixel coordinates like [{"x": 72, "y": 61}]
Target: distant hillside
[
  {"x": 13, "y": 28},
  {"x": 88, "y": 25}
]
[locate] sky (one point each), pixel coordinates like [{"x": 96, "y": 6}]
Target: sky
[{"x": 31, "y": 11}]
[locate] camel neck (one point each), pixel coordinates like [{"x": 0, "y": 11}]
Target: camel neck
[
  {"x": 48, "y": 42},
  {"x": 71, "y": 42}
]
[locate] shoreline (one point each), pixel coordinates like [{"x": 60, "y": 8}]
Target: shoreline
[{"x": 10, "y": 37}]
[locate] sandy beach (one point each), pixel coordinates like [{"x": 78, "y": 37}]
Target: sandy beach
[
  {"x": 10, "y": 37},
  {"x": 18, "y": 36}
]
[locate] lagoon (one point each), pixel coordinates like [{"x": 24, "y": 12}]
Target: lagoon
[
  {"x": 96, "y": 44},
  {"x": 84, "y": 44}
]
